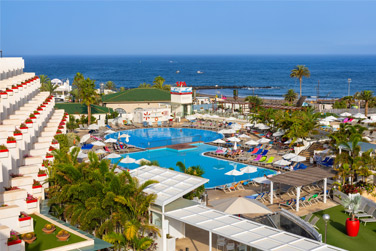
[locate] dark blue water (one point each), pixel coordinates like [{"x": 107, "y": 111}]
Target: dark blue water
[{"x": 253, "y": 71}]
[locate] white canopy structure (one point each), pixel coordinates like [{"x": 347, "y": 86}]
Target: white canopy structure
[
  {"x": 100, "y": 151},
  {"x": 81, "y": 155},
  {"x": 219, "y": 141},
  {"x": 227, "y": 131},
  {"x": 234, "y": 172},
  {"x": 85, "y": 138},
  {"x": 234, "y": 139},
  {"x": 249, "y": 169},
  {"x": 248, "y": 125},
  {"x": 245, "y": 136},
  {"x": 251, "y": 143},
  {"x": 263, "y": 141},
  {"x": 289, "y": 156},
  {"x": 360, "y": 116},
  {"x": 368, "y": 121},
  {"x": 240, "y": 205},
  {"x": 298, "y": 159},
  {"x": 279, "y": 134},
  {"x": 345, "y": 114},
  {"x": 191, "y": 117},
  {"x": 123, "y": 136},
  {"x": 98, "y": 143},
  {"x": 172, "y": 184},
  {"x": 113, "y": 156},
  {"x": 128, "y": 160},
  {"x": 93, "y": 127},
  {"x": 109, "y": 131},
  {"x": 110, "y": 140},
  {"x": 261, "y": 180},
  {"x": 282, "y": 162},
  {"x": 264, "y": 127}
]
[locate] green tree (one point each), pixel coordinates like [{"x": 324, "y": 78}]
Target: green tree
[
  {"x": 89, "y": 95},
  {"x": 366, "y": 96},
  {"x": 48, "y": 87},
  {"x": 299, "y": 72},
  {"x": 110, "y": 86},
  {"x": 122, "y": 88},
  {"x": 159, "y": 83},
  {"x": 349, "y": 100},
  {"x": 195, "y": 171},
  {"x": 253, "y": 101},
  {"x": 78, "y": 86},
  {"x": 145, "y": 85},
  {"x": 290, "y": 96},
  {"x": 44, "y": 79}
]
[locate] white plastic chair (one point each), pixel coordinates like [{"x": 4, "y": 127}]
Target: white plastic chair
[
  {"x": 221, "y": 242},
  {"x": 242, "y": 247},
  {"x": 230, "y": 246}
]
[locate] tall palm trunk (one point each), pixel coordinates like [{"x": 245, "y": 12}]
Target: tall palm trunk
[
  {"x": 366, "y": 109},
  {"x": 89, "y": 114},
  {"x": 300, "y": 81}
]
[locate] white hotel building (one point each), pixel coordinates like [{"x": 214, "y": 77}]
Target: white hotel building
[{"x": 25, "y": 142}]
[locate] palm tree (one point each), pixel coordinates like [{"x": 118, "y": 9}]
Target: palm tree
[
  {"x": 299, "y": 72},
  {"x": 366, "y": 96},
  {"x": 110, "y": 86},
  {"x": 290, "y": 96},
  {"x": 159, "y": 84},
  {"x": 48, "y": 87},
  {"x": 122, "y": 88},
  {"x": 349, "y": 100},
  {"x": 44, "y": 79},
  {"x": 89, "y": 95},
  {"x": 77, "y": 84},
  {"x": 195, "y": 171},
  {"x": 144, "y": 85},
  {"x": 254, "y": 101}
]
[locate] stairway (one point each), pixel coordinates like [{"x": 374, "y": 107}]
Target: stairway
[{"x": 309, "y": 152}]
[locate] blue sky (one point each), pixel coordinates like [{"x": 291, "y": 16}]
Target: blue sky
[{"x": 187, "y": 27}]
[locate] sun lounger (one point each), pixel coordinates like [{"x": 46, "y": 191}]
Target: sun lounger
[
  {"x": 302, "y": 166},
  {"x": 265, "y": 152},
  {"x": 288, "y": 203},
  {"x": 361, "y": 209},
  {"x": 368, "y": 220},
  {"x": 224, "y": 188},
  {"x": 346, "y": 120},
  {"x": 369, "y": 213},
  {"x": 263, "y": 159},
  {"x": 308, "y": 217},
  {"x": 314, "y": 221},
  {"x": 258, "y": 152},
  {"x": 257, "y": 158},
  {"x": 239, "y": 186},
  {"x": 270, "y": 161},
  {"x": 255, "y": 150}
]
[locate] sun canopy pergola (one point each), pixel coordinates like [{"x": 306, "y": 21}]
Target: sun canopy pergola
[{"x": 301, "y": 178}]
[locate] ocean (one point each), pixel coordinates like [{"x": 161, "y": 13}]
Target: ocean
[{"x": 266, "y": 76}]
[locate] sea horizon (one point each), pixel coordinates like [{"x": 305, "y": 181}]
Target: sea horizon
[{"x": 263, "y": 75}]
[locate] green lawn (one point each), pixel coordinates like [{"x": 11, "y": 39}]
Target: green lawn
[
  {"x": 48, "y": 241},
  {"x": 337, "y": 231}
]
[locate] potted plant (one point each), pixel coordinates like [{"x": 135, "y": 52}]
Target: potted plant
[
  {"x": 29, "y": 237},
  {"x": 15, "y": 88},
  {"x": 54, "y": 142},
  {"x": 16, "y": 175},
  {"x": 49, "y": 228},
  {"x": 3, "y": 94},
  {"x": 36, "y": 113},
  {"x": 4, "y": 152},
  {"x": 58, "y": 132},
  {"x": 11, "y": 142},
  {"x": 49, "y": 156},
  {"x": 9, "y": 91},
  {"x": 46, "y": 163},
  {"x": 17, "y": 134},
  {"x": 14, "y": 238},
  {"x": 51, "y": 149},
  {"x": 29, "y": 123},
  {"x": 352, "y": 224},
  {"x": 63, "y": 235},
  {"x": 11, "y": 188},
  {"x": 24, "y": 220},
  {"x": 42, "y": 173},
  {"x": 31, "y": 201},
  {"x": 37, "y": 186},
  {"x": 32, "y": 116},
  {"x": 23, "y": 128}
]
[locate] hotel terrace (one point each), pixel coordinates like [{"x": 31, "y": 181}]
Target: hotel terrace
[{"x": 28, "y": 125}]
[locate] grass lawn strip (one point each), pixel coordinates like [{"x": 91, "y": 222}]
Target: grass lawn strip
[
  {"x": 47, "y": 241},
  {"x": 337, "y": 231}
]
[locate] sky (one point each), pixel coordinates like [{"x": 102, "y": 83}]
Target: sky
[{"x": 187, "y": 27}]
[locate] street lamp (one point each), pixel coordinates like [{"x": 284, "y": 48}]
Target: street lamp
[
  {"x": 326, "y": 218},
  {"x": 348, "y": 87}
]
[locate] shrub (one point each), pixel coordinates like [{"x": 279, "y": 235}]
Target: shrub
[
  {"x": 10, "y": 138},
  {"x": 350, "y": 189},
  {"x": 3, "y": 147}
]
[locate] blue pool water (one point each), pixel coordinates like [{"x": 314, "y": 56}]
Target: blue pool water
[
  {"x": 157, "y": 137},
  {"x": 215, "y": 169}
]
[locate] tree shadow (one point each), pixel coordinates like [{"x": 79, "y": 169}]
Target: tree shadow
[{"x": 340, "y": 227}]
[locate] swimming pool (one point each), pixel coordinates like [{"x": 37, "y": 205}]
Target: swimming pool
[
  {"x": 215, "y": 169},
  {"x": 157, "y": 137}
]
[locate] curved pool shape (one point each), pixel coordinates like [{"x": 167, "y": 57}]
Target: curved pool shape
[
  {"x": 157, "y": 137},
  {"x": 215, "y": 169}
]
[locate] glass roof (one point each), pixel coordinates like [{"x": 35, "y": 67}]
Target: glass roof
[
  {"x": 248, "y": 232},
  {"x": 168, "y": 189}
]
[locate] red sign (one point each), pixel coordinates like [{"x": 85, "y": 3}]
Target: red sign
[{"x": 180, "y": 84}]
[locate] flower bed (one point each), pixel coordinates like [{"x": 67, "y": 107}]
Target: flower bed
[
  {"x": 4, "y": 152},
  {"x": 31, "y": 201}
]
